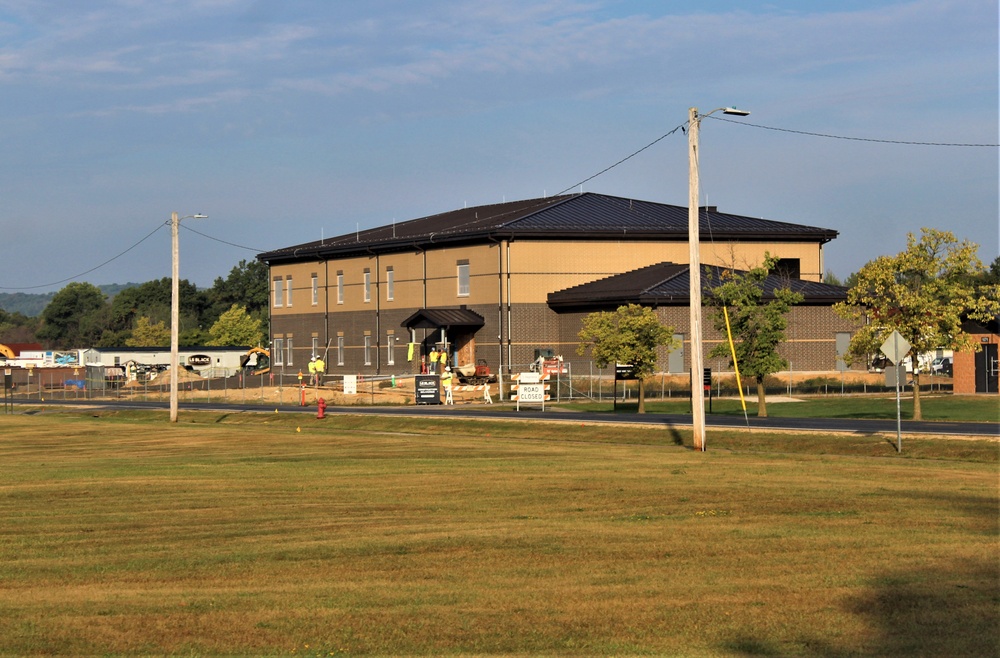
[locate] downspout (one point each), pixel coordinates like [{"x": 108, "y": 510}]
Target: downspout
[
  {"x": 326, "y": 305},
  {"x": 378, "y": 317},
  {"x": 500, "y": 323},
  {"x": 509, "y": 326}
]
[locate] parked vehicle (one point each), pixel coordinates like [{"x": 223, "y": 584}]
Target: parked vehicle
[{"x": 942, "y": 365}]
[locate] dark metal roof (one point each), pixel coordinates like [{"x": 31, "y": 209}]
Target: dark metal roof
[
  {"x": 443, "y": 318},
  {"x": 669, "y": 284},
  {"x": 582, "y": 216}
]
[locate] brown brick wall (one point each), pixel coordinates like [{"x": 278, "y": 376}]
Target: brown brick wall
[
  {"x": 964, "y": 366},
  {"x": 811, "y": 344}
]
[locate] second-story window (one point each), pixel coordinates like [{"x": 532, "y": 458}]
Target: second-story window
[
  {"x": 279, "y": 292},
  {"x": 463, "y": 279},
  {"x": 368, "y": 285},
  {"x": 315, "y": 290},
  {"x": 340, "y": 287},
  {"x": 390, "y": 283},
  {"x": 288, "y": 291}
]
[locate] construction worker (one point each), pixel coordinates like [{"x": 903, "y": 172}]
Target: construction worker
[
  {"x": 320, "y": 370},
  {"x": 446, "y": 384},
  {"x": 432, "y": 365},
  {"x": 312, "y": 370}
]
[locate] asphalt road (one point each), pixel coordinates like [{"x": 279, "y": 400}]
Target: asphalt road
[{"x": 556, "y": 414}]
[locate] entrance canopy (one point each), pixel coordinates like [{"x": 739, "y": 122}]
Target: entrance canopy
[{"x": 445, "y": 318}]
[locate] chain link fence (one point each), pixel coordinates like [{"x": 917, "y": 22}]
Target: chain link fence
[{"x": 572, "y": 381}]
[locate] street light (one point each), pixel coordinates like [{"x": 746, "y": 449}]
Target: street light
[
  {"x": 175, "y": 305},
  {"x": 694, "y": 245}
]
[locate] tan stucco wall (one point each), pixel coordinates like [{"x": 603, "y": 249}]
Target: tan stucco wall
[{"x": 537, "y": 268}]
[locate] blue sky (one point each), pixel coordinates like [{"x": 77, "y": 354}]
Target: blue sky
[{"x": 289, "y": 121}]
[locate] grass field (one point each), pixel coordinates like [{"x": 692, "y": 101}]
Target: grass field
[
  {"x": 972, "y": 408},
  {"x": 281, "y": 534}
]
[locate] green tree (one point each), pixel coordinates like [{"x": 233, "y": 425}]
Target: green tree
[
  {"x": 17, "y": 327},
  {"x": 153, "y": 298},
  {"x": 76, "y": 317},
  {"x": 831, "y": 279},
  {"x": 629, "y": 335},
  {"x": 924, "y": 292},
  {"x": 236, "y": 327},
  {"x": 758, "y": 328},
  {"x": 149, "y": 334},
  {"x": 246, "y": 286}
]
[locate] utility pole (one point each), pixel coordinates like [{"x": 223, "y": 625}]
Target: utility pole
[
  {"x": 175, "y": 305},
  {"x": 694, "y": 257},
  {"x": 175, "y": 223},
  {"x": 694, "y": 274}
]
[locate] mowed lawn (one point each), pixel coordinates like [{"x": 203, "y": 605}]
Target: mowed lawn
[{"x": 282, "y": 534}]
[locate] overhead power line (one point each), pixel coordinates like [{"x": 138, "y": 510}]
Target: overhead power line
[
  {"x": 112, "y": 259},
  {"x": 852, "y": 139},
  {"x": 231, "y": 244},
  {"x": 626, "y": 158}
]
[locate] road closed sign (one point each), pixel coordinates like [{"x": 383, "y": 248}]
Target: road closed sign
[
  {"x": 530, "y": 389},
  {"x": 531, "y": 393}
]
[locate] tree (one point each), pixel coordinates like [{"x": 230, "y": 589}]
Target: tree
[
  {"x": 148, "y": 334},
  {"x": 236, "y": 327},
  {"x": 246, "y": 285},
  {"x": 629, "y": 335},
  {"x": 76, "y": 316},
  {"x": 925, "y": 293},
  {"x": 831, "y": 279},
  {"x": 758, "y": 328},
  {"x": 17, "y": 328}
]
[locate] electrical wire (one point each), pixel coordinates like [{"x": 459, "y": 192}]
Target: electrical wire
[
  {"x": 231, "y": 244},
  {"x": 626, "y": 158},
  {"x": 114, "y": 258},
  {"x": 853, "y": 139},
  {"x": 571, "y": 187}
]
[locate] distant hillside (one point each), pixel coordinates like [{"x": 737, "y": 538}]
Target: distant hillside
[{"x": 32, "y": 305}]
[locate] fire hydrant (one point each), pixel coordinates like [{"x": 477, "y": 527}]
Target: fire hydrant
[{"x": 321, "y": 408}]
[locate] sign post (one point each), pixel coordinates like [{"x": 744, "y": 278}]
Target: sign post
[
  {"x": 895, "y": 349},
  {"x": 8, "y": 384}
]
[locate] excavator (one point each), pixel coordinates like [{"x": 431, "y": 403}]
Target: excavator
[{"x": 257, "y": 361}]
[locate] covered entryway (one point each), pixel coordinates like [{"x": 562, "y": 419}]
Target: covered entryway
[{"x": 450, "y": 329}]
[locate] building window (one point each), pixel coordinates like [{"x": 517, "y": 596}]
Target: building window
[
  {"x": 463, "y": 279},
  {"x": 340, "y": 287},
  {"x": 390, "y": 349},
  {"x": 368, "y": 350},
  {"x": 279, "y": 293},
  {"x": 368, "y": 285},
  {"x": 788, "y": 268},
  {"x": 390, "y": 281},
  {"x": 288, "y": 346},
  {"x": 315, "y": 346},
  {"x": 340, "y": 350},
  {"x": 315, "y": 289},
  {"x": 288, "y": 291},
  {"x": 278, "y": 350}
]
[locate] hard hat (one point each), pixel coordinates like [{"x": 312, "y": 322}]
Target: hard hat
[{"x": 313, "y": 358}]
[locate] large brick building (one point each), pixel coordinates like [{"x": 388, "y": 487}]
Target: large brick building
[{"x": 485, "y": 281}]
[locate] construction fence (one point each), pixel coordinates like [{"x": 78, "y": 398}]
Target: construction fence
[{"x": 572, "y": 381}]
